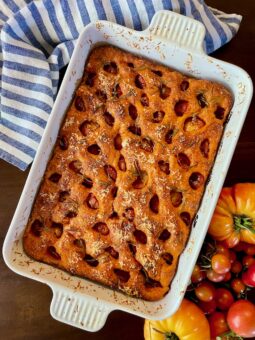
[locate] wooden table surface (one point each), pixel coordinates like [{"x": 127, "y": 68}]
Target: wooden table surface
[{"x": 24, "y": 304}]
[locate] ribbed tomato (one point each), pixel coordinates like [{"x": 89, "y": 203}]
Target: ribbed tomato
[
  {"x": 234, "y": 216},
  {"x": 188, "y": 323}
]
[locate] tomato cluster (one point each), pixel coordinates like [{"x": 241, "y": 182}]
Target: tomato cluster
[
  {"x": 223, "y": 280},
  {"x": 221, "y": 285}
]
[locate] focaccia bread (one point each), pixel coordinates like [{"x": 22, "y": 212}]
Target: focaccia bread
[{"x": 127, "y": 173}]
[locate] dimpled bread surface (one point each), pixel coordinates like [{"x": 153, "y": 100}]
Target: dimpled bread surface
[{"x": 127, "y": 173}]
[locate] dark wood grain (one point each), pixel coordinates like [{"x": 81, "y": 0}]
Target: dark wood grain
[{"x": 24, "y": 304}]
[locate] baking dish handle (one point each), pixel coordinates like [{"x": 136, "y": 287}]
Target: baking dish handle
[
  {"x": 179, "y": 29},
  {"x": 76, "y": 310}
]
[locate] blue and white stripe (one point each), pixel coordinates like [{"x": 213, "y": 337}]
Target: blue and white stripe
[{"x": 37, "y": 41}]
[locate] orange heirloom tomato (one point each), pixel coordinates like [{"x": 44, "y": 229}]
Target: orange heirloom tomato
[
  {"x": 188, "y": 323},
  {"x": 234, "y": 217}
]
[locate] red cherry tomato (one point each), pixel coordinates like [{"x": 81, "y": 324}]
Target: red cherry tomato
[
  {"x": 241, "y": 318},
  {"x": 237, "y": 285},
  {"x": 241, "y": 246},
  {"x": 197, "y": 275},
  {"x": 232, "y": 256},
  {"x": 207, "y": 307},
  {"x": 220, "y": 263},
  {"x": 222, "y": 249},
  {"x": 218, "y": 324},
  {"x": 213, "y": 276},
  {"x": 248, "y": 260},
  {"x": 223, "y": 298},
  {"x": 236, "y": 267},
  {"x": 227, "y": 277},
  {"x": 205, "y": 291},
  {"x": 250, "y": 249},
  {"x": 248, "y": 277}
]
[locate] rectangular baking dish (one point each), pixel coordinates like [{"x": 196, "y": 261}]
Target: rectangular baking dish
[{"x": 176, "y": 41}]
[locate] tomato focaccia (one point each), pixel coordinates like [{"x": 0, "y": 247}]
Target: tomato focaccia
[{"x": 127, "y": 173}]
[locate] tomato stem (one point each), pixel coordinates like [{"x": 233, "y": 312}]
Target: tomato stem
[
  {"x": 168, "y": 335},
  {"x": 243, "y": 222},
  {"x": 243, "y": 294},
  {"x": 229, "y": 335},
  {"x": 205, "y": 262},
  {"x": 171, "y": 336}
]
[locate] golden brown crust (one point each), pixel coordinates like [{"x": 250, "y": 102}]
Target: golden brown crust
[{"x": 148, "y": 131}]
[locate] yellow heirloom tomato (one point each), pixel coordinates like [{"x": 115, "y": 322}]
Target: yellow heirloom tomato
[
  {"x": 188, "y": 323},
  {"x": 234, "y": 217}
]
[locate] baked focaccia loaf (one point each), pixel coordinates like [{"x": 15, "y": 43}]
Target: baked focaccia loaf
[{"x": 127, "y": 173}]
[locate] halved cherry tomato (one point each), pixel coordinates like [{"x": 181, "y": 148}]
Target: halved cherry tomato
[
  {"x": 241, "y": 318},
  {"x": 234, "y": 215}
]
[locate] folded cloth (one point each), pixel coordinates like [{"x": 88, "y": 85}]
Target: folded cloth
[{"x": 37, "y": 41}]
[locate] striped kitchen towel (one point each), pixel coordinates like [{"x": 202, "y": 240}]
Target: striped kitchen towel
[{"x": 37, "y": 41}]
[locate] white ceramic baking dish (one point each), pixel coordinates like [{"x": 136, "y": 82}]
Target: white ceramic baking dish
[{"x": 175, "y": 41}]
